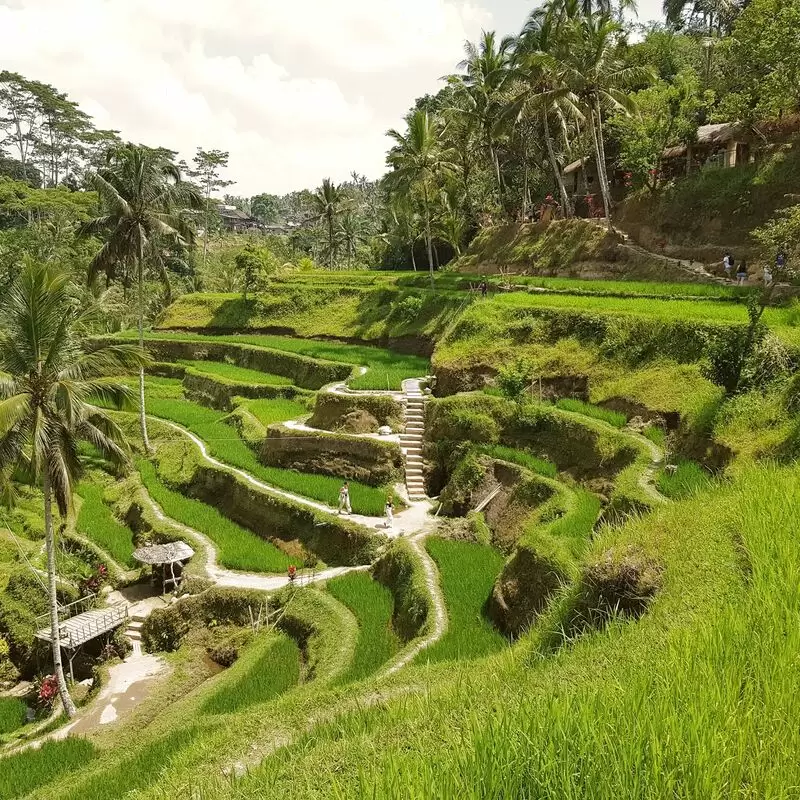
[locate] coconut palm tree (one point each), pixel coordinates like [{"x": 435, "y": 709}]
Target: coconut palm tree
[
  {"x": 452, "y": 225},
  {"x": 327, "y": 201},
  {"x": 486, "y": 74},
  {"x": 142, "y": 194},
  {"x": 47, "y": 385},
  {"x": 419, "y": 159}
]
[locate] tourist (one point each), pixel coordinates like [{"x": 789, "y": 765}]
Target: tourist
[
  {"x": 727, "y": 264},
  {"x": 780, "y": 261},
  {"x": 767, "y": 276},
  {"x": 484, "y": 287},
  {"x": 389, "y": 509},
  {"x": 344, "y": 499},
  {"x": 741, "y": 273}
]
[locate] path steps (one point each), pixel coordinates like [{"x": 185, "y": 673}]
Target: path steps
[
  {"x": 411, "y": 440},
  {"x": 134, "y": 632}
]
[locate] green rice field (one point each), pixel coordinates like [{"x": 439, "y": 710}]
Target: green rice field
[
  {"x": 613, "y": 418},
  {"x": 13, "y": 714},
  {"x": 373, "y": 606},
  {"x": 270, "y": 667},
  {"x": 97, "y": 523},
  {"x": 467, "y": 572},
  {"x": 230, "y": 372},
  {"x": 237, "y": 548}
]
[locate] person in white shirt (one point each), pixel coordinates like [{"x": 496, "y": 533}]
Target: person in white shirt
[
  {"x": 389, "y": 508},
  {"x": 344, "y": 499}
]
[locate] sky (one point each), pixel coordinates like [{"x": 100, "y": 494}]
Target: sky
[{"x": 294, "y": 90}]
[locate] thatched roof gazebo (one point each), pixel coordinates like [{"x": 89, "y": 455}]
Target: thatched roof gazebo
[{"x": 170, "y": 556}]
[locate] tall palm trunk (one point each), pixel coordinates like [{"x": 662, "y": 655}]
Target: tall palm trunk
[
  {"x": 205, "y": 233},
  {"x": 551, "y": 154},
  {"x": 52, "y": 597},
  {"x": 599, "y": 150},
  {"x": 142, "y": 411},
  {"x": 330, "y": 240},
  {"x": 413, "y": 259},
  {"x": 428, "y": 232}
]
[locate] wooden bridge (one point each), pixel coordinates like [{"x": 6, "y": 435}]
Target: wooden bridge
[{"x": 77, "y": 627}]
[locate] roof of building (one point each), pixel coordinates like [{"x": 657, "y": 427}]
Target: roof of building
[
  {"x": 232, "y": 213},
  {"x": 575, "y": 165},
  {"x": 719, "y": 133},
  {"x": 168, "y": 553}
]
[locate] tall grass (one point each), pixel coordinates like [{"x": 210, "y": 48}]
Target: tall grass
[
  {"x": 270, "y": 667},
  {"x": 688, "y": 478},
  {"x": 224, "y": 443},
  {"x": 13, "y": 714},
  {"x": 541, "y": 466},
  {"x": 25, "y": 772},
  {"x": 238, "y": 374},
  {"x": 373, "y": 606},
  {"x": 467, "y": 572},
  {"x": 613, "y": 418},
  {"x": 97, "y": 523},
  {"x": 237, "y": 548}
]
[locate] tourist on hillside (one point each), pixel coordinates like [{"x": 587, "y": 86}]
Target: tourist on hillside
[
  {"x": 344, "y": 499},
  {"x": 389, "y": 509},
  {"x": 484, "y": 287},
  {"x": 780, "y": 261},
  {"x": 727, "y": 264},
  {"x": 767, "y": 276},
  {"x": 741, "y": 273}
]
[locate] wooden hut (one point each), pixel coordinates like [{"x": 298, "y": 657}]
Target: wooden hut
[
  {"x": 167, "y": 562},
  {"x": 727, "y": 144}
]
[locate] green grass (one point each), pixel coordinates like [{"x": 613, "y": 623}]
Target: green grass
[
  {"x": 231, "y": 372},
  {"x": 268, "y": 412},
  {"x": 656, "y": 435},
  {"x": 613, "y": 418},
  {"x": 97, "y": 523},
  {"x": 467, "y": 572},
  {"x": 224, "y": 443},
  {"x": 373, "y": 606},
  {"x": 237, "y": 548},
  {"x": 25, "y": 772},
  {"x": 13, "y": 714},
  {"x": 381, "y": 363},
  {"x": 268, "y": 669},
  {"x": 689, "y": 477},
  {"x": 541, "y": 466}
]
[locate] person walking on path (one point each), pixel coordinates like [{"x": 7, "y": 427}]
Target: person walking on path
[
  {"x": 741, "y": 273},
  {"x": 780, "y": 261},
  {"x": 727, "y": 265},
  {"x": 344, "y": 499},
  {"x": 484, "y": 287},
  {"x": 767, "y": 276},
  {"x": 389, "y": 509}
]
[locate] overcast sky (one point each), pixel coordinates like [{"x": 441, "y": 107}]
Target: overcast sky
[{"x": 296, "y": 90}]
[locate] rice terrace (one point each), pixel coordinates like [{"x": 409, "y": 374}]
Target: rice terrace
[{"x": 476, "y": 478}]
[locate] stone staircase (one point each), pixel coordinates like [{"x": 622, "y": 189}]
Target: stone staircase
[
  {"x": 412, "y": 438},
  {"x": 134, "y": 632}
]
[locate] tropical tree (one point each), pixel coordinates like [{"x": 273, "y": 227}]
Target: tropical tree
[
  {"x": 451, "y": 224},
  {"x": 351, "y": 235},
  {"x": 47, "y": 388},
  {"x": 142, "y": 194},
  {"x": 597, "y": 75},
  {"x": 327, "y": 202},
  {"x": 418, "y": 160}
]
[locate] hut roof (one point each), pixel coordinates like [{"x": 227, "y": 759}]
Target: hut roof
[
  {"x": 575, "y": 165},
  {"x": 719, "y": 133},
  {"x": 167, "y": 553}
]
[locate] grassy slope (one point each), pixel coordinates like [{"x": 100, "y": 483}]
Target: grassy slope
[
  {"x": 467, "y": 572},
  {"x": 13, "y": 713},
  {"x": 233, "y": 373},
  {"x": 618, "y": 713},
  {"x": 373, "y": 605}
]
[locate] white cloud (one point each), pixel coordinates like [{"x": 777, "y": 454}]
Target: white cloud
[{"x": 294, "y": 90}]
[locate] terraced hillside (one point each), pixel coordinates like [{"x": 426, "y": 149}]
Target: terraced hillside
[{"x": 595, "y": 596}]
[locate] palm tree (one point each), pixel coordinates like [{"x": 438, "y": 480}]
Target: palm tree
[
  {"x": 327, "y": 201},
  {"x": 418, "y": 159},
  {"x": 405, "y": 223},
  {"x": 452, "y": 225},
  {"x": 351, "y": 235},
  {"x": 46, "y": 387},
  {"x": 142, "y": 194},
  {"x": 486, "y": 75},
  {"x": 543, "y": 87},
  {"x": 597, "y": 76}
]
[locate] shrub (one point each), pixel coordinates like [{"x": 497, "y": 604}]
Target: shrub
[{"x": 514, "y": 379}]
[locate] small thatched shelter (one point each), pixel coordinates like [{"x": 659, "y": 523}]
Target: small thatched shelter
[
  {"x": 728, "y": 144},
  {"x": 167, "y": 561}
]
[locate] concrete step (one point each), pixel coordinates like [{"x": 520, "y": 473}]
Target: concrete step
[
  {"x": 134, "y": 636},
  {"x": 415, "y": 426}
]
